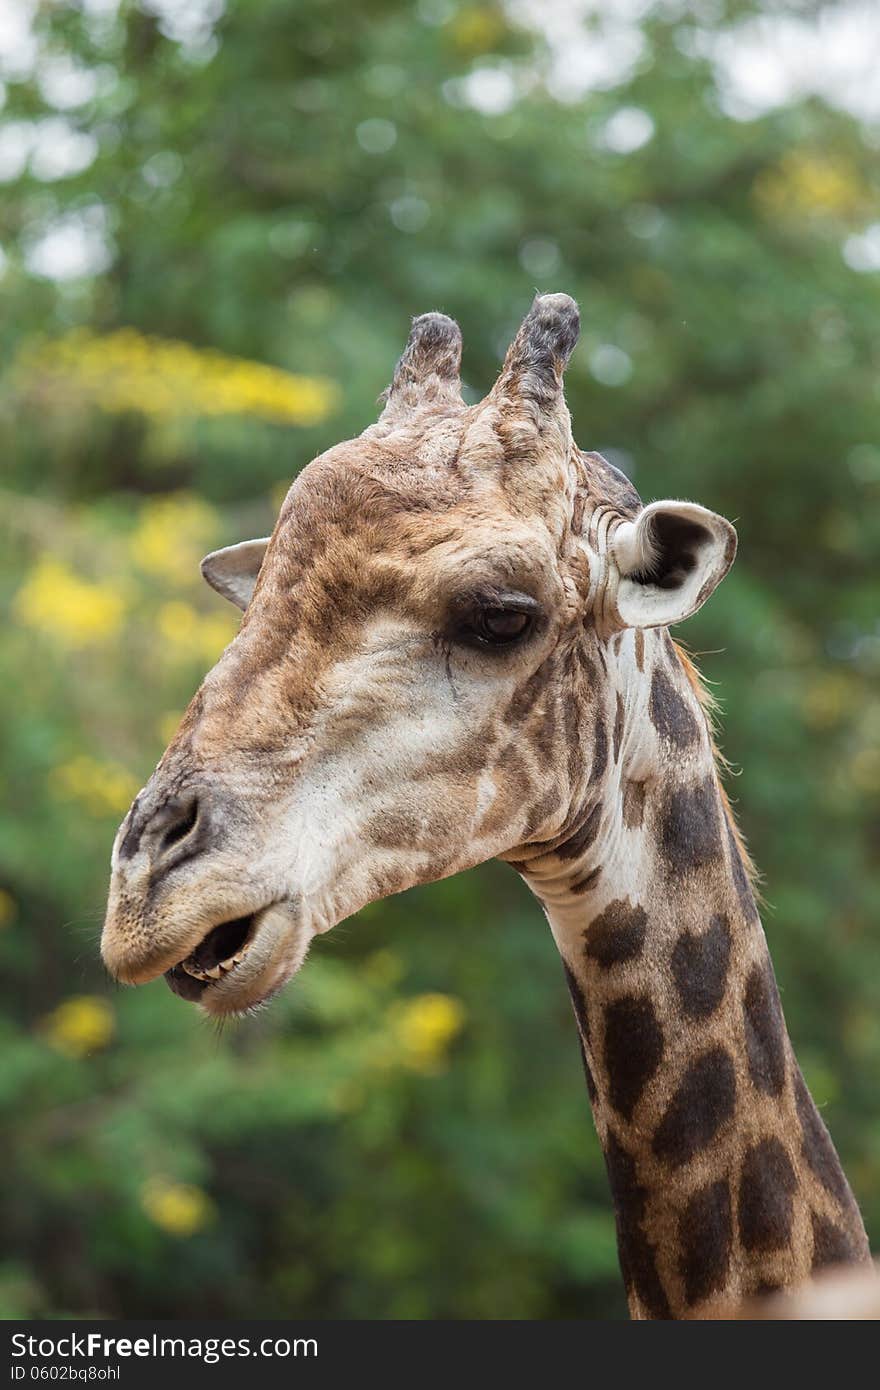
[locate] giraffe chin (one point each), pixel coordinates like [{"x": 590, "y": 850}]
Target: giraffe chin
[{"x": 241, "y": 964}]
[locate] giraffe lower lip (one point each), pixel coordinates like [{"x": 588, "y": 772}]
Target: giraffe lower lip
[{"x": 217, "y": 955}]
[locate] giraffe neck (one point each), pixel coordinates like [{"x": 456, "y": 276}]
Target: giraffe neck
[{"x": 724, "y": 1179}]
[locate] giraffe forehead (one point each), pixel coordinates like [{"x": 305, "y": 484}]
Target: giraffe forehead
[
  {"x": 351, "y": 530},
  {"x": 434, "y": 464}
]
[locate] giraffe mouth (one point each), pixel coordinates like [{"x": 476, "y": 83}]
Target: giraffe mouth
[
  {"x": 239, "y": 964},
  {"x": 219, "y": 953}
]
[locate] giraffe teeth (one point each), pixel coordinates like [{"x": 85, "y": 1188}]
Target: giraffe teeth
[
  {"x": 193, "y": 970},
  {"x": 222, "y": 967}
]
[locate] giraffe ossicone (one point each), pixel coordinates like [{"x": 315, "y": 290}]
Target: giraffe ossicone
[{"x": 454, "y": 647}]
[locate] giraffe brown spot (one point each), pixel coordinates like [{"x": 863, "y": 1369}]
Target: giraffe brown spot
[
  {"x": 740, "y": 877},
  {"x": 587, "y": 883},
  {"x": 589, "y": 674},
  {"x": 640, "y": 649},
  {"x": 524, "y": 698},
  {"x": 592, "y": 1092},
  {"x": 699, "y": 967},
  {"x": 579, "y": 1004},
  {"x": 540, "y": 813},
  {"x": 578, "y": 1000},
  {"x": 817, "y": 1147},
  {"x": 638, "y": 1260},
  {"x": 703, "y": 1102},
  {"x": 544, "y": 733},
  {"x": 633, "y": 1049},
  {"x": 395, "y": 826},
  {"x": 670, "y": 715},
  {"x": 765, "y": 1287},
  {"x": 600, "y": 751},
  {"x": 690, "y": 831},
  {"x": 705, "y": 1235},
  {"x": 583, "y": 837},
  {"x": 617, "y": 934},
  {"x": 617, "y": 737},
  {"x": 831, "y": 1245},
  {"x": 765, "y": 1029},
  {"x": 633, "y": 805},
  {"x": 766, "y": 1186}
]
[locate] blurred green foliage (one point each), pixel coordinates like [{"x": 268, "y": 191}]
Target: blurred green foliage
[{"x": 284, "y": 182}]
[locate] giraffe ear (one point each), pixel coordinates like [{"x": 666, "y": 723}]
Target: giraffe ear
[
  {"x": 233, "y": 571},
  {"x": 668, "y": 562}
]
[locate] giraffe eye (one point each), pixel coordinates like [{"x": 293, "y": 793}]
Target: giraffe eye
[
  {"x": 495, "y": 620},
  {"x": 501, "y": 625}
]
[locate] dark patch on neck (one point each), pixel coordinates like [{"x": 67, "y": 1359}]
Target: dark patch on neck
[
  {"x": 670, "y": 715},
  {"x": 740, "y": 877},
  {"x": 831, "y": 1245},
  {"x": 700, "y": 965},
  {"x": 705, "y": 1234},
  {"x": 583, "y": 837},
  {"x": 767, "y": 1184},
  {"x": 640, "y": 648},
  {"x": 581, "y": 1013},
  {"x": 633, "y": 1049},
  {"x": 587, "y": 883},
  {"x": 633, "y": 804},
  {"x": 765, "y": 1029},
  {"x": 819, "y": 1151},
  {"x": 638, "y": 1260},
  {"x": 703, "y": 1103},
  {"x": 617, "y": 934},
  {"x": 690, "y": 829},
  {"x": 617, "y": 736}
]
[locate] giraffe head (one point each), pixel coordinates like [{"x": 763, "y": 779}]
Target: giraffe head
[{"x": 422, "y": 634}]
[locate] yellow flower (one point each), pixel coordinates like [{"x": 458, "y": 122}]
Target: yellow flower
[
  {"x": 177, "y": 623},
  {"x": 101, "y": 788},
  {"x": 477, "y": 29},
  {"x": 73, "y": 611},
  {"x": 865, "y": 769},
  {"x": 807, "y": 183},
  {"x": 171, "y": 537},
  {"x": 424, "y": 1027},
  {"x": 178, "y": 1208},
  {"x": 79, "y": 1025},
  {"x": 190, "y": 635},
  {"x": 215, "y": 633},
  {"x": 8, "y": 908},
  {"x": 127, "y": 371}
]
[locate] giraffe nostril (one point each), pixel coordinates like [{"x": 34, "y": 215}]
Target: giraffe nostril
[{"x": 183, "y": 818}]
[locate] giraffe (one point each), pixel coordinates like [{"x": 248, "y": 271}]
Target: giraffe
[{"x": 455, "y": 647}]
